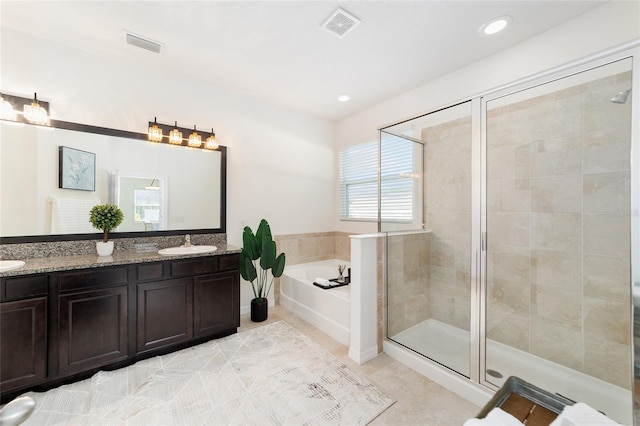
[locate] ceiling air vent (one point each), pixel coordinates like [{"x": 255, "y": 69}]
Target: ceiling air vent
[
  {"x": 143, "y": 43},
  {"x": 340, "y": 23}
]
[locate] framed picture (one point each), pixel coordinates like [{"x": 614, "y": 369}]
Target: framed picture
[{"x": 77, "y": 169}]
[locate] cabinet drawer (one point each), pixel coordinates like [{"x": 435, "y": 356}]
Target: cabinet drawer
[
  {"x": 229, "y": 262},
  {"x": 149, "y": 271},
  {"x": 24, "y": 287},
  {"x": 190, "y": 267},
  {"x": 95, "y": 278}
]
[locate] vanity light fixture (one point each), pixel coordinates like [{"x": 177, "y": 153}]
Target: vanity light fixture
[
  {"x": 195, "y": 140},
  {"x": 211, "y": 142},
  {"x": 6, "y": 110},
  {"x": 35, "y": 113},
  {"x": 175, "y": 136},
  {"x": 17, "y": 108},
  {"x": 166, "y": 133},
  {"x": 155, "y": 132}
]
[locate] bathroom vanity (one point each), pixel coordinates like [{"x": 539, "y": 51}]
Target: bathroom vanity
[{"x": 65, "y": 322}]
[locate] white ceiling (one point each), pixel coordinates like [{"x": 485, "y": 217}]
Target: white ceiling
[{"x": 278, "y": 49}]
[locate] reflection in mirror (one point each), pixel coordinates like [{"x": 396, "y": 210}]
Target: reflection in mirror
[
  {"x": 192, "y": 181},
  {"x": 143, "y": 200}
]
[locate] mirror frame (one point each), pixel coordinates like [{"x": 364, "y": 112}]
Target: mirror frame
[{"x": 66, "y": 125}]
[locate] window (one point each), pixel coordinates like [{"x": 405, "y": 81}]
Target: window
[
  {"x": 359, "y": 181},
  {"x": 147, "y": 205}
]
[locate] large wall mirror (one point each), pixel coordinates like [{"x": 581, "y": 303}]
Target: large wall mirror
[{"x": 51, "y": 176}]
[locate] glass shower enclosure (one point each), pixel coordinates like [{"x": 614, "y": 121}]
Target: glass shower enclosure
[
  {"x": 516, "y": 259},
  {"x": 428, "y": 260}
]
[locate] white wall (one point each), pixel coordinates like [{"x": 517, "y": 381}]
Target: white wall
[
  {"x": 280, "y": 162},
  {"x": 605, "y": 27}
]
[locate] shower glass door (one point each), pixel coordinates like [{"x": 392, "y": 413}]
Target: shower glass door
[
  {"x": 558, "y": 237},
  {"x": 428, "y": 251}
]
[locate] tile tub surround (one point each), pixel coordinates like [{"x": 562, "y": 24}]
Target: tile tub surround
[
  {"x": 25, "y": 251},
  {"x": 312, "y": 247},
  {"x": 558, "y": 217}
]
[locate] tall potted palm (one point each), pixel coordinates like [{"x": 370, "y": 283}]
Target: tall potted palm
[
  {"x": 260, "y": 265},
  {"x": 105, "y": 217}
]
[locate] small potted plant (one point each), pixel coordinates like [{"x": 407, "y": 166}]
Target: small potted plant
[
  {"x": 260, "y": 266},
  {"x": 105, "y": 217}
]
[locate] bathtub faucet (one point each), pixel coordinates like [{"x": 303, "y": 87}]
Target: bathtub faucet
[{"x": 187, "y": 240}]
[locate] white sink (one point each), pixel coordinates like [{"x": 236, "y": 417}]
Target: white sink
[
  {"x": 172, "y": 251},
  {"x": 7, "y": 265}
]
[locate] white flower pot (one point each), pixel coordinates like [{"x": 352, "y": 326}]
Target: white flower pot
[{"x": 104, "y": 249}]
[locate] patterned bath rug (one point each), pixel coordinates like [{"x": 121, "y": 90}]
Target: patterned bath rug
[{"x": 271, "y": 375}]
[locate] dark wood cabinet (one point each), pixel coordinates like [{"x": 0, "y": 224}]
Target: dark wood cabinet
[
  {"x": 165, "y": 313},
  {"x": 23, "y": 334},
  {"x": 216, "y": 303},
  {"x": 64, "y": 326},
  {"x": 92, "y": 329}
]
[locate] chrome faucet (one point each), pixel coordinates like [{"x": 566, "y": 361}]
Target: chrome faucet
[{"x": 187, "y": 240}]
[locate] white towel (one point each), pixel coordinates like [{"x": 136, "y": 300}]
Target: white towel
[
  {"x": 496, "y": 417},
  {"x": 71, "y": 215},
  {"x": 580, "y": 414},
  {"x": 322, "y": 281}
]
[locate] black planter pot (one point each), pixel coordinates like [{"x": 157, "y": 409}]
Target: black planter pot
[{"x": 259, "y": 309}]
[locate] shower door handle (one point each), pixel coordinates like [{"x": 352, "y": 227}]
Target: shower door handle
[{"x": 483, "y": 241}]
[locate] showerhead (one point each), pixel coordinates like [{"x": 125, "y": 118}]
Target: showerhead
[{"x": 621, "y": 97}]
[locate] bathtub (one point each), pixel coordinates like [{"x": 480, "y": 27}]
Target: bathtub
[{"x": 327, "y": 310}]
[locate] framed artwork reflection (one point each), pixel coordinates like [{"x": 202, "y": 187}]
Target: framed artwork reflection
[{"x": 77, "y": 169}]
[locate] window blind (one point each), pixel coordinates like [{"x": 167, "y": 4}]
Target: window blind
[{"x": 359, "y": 181}]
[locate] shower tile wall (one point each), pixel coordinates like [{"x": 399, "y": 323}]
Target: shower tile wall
[
  {"x": 428, "y": 273},
  {"x": 558, "y": 185},
  {"x": 447, "y": 207},
  {"x": 408, "y": 281}
]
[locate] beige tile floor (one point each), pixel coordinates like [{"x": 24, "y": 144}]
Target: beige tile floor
[{"x": 420, "y": 401}]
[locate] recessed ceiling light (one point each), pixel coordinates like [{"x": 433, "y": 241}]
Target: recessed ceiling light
[
  {"x": 343, "y": 98},
  {"x": 495, "y": 25}
]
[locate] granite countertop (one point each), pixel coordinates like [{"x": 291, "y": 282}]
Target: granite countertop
[{"x": 119, "y": 257}]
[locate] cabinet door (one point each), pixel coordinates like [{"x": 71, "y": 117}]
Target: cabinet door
[
  {"x": 23, "y": 343},
  {"x": 165, "y": 313},
  {"x": 216, "y": 303},
  {"x": 93, "y": 329}
]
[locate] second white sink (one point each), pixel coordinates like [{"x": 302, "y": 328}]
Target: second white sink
[
  {"x": 8, "y": 265},
  {"x": 173, "y": 251}
]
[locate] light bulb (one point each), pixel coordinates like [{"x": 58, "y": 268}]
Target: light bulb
[
  {"x": 175, "y": 136},
  {"x": 195, "y": 140},
  {"x": 155, "y": 132},
  {"x": 211, "y": 143}
]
